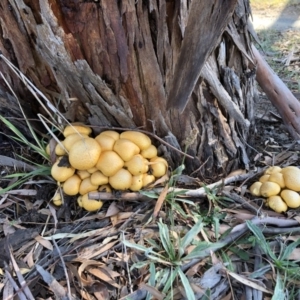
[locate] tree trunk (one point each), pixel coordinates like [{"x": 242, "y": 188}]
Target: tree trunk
[{"x": 112, "y": 63}]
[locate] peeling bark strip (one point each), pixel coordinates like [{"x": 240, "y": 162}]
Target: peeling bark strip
[
  {"x": 278, "y": 93},
  {"x": 118, "y": 59},
  {"x": 199, "y": 41}
]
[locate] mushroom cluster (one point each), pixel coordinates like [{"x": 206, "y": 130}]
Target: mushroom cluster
[
  {"x": 111, "y": 160},
  {"x": 281, "y": 187}
]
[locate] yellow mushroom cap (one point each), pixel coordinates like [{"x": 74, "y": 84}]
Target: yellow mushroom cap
[
  {"x": 140, "y": 139},
  {"x": 269, "y": 189},
  {"x": 150, "y": 152},
  {"x": 83, "y": 174},
  {"x": 97, "y": 178},
  {"x": 159, "y": 167},
  {"x": 48, "y": 149},
  {"x": 137, "y": 165},
  {"x": 126, "y": 149},
  {"x": 292, "y": 179},
  {"x": 56, "y": 199},
  {"x": 291, "y": 198},
  {"x": 105, "y": 188},
  {"x": 71, "y": 185},
  {"x": 289, "y": 168},
  {"x": 114, "y": 134},
  {"x": 109, "y": 163},
  {"x": 255, "y": 189},
  {"x": 277, "y": 204},
  {"x": 59, "y": 150},
  {"x": 86, "y": 186},
  {"x": 148, "y": 179},
  {"x": 84, "y": 154},
  {"x": 89, "y": 204},
  {"x": 92, "y": 170},
  {"x": 277, "y": 178},
  {"x": 71, "y": 139},
  {"x": 264, "y": 178},
  {"x": 77, "y": 128},
  {"x": 122, "y": 180},
  {"x": 61, "y": 174},
  {"x": 105, "y": 141},
  {"x": 272, "y": 170},
  {"x": 137, "y": 183}
]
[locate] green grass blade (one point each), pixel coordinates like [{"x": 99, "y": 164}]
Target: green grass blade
[
  {"x": 170, "y": 280},
  {"x": 43, "y": 171},
  {"x": 187, "y": 239},
  {"x": 165, "y": 240},
  {"x": 135, "y": 246},
  {"x": 186, "y": 284},
  {"x": 279, "y": 288},
  {"x": 289, "y": 249},
  {"x": 202, "y": 250},
  {"x": 39, "y": 148},
  {"x": 151, "y": 281},
  {"x": 260, "y": 239}
]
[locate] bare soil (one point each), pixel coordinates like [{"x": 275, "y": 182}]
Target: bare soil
[
  {"x": 276, "y": 27},
  {"x": 277, "y": 18}
]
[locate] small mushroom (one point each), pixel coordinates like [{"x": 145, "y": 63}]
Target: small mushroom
[
  {"x": 56, "y": 199},
  {"x": 83, "y": 174},
  {"x": 140, "y": 139},
  {"x": 255, "y": 189},
  {"x": 122, "y": 180},
  {"x": 71, "y": 139},
  {"x": 61, "y": 174},
  {"x": 137, "y": 165},
  {"x": 86, "y": 186},
  {"x": 269, "y": 189},
  {"x": 89, "y": 204},
  {"x": 71, "y": 185},
  {"x": 272, "y": 170},
  {"x": 291, "y": 198},
  {"x": 277, "y": 204},
  {"x": 137, "y": 183},
  {"x": 148, "y": 179},
  {"x": 84, "y": 154},
  {"x": 109, "y": 163},
  {"x": 105, "y": 141},
  {"x": 126, "y": 149},
  {"x": 59, "y": 150},
  {"x": 159, "y": 167},
  {"x": 150, "y": 152},
  {"x": 97, "y": 178},
  {"x": 114, "y": 134},
  {"x": 77, "y": 128}
]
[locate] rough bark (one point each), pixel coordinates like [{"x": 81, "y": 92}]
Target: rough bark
[{"x": 118, "y": 58}]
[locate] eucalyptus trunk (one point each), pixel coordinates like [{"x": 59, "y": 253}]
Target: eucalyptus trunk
[{"x": 122, "y": 64}]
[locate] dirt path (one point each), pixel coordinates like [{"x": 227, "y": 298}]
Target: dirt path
[{"x": 277, "y": 18}]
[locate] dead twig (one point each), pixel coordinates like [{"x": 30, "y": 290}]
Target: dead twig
[{"x": 200, "y": 192}]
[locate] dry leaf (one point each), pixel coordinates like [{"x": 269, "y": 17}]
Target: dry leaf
[
  {"x": 45, "y": 243},
  {"x": 112, "y": 210},
  {"x": 29, "y": 258},
  {"x": 8, "y": 229},
  {"x": 114, "y": 220},
  {"x": 248, "y": 282},
  {"x": 160, "y": 201},
  {"x": 103, "y": 275},
  {"x": 94, "y": 250}
]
